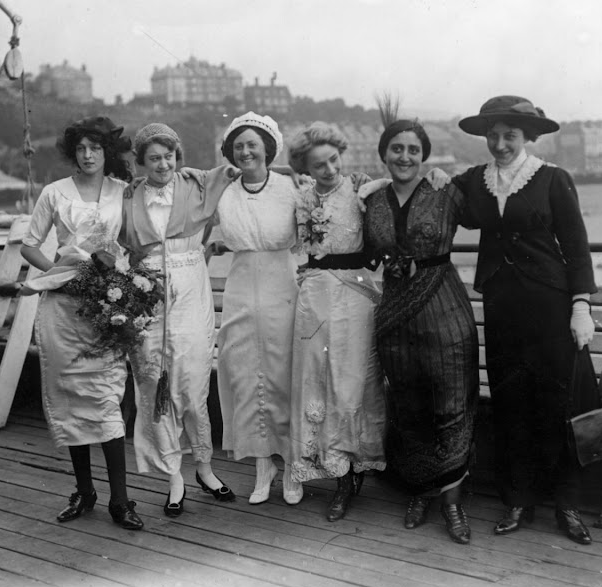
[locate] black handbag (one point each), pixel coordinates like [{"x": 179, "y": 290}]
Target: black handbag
[{"x": 585, "y": 429}]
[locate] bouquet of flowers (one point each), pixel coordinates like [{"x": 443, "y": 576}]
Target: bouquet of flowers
[
  {"x": 312, "y": 225},
  {"x": 120, "y": 301}
]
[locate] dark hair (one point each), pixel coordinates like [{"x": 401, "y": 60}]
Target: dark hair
[
  {"x": 164, "y": 141},
  {"x": 315, "y": 135},
  {"x": 113, "y": 145},
  {"x": 530, "y": 133},
  {"x": 404, "y": 126},
  {"x": 268, "y": 142}
]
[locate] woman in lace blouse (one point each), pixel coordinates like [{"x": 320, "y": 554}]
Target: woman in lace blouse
[
  {"x": 535, "y": 272},
  {"x": 337, "y": 402}
]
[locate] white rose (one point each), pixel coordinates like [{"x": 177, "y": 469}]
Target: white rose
[
  {"x": 118, "y": 319},
  {"x": 140, "y": 322},
  {"x": 142, "y": 283},
  {"x": 122, "y": 265},
  {"x": 114, "y": 294}
]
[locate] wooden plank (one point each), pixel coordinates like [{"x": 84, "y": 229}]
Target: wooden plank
[
  {"x": 11, "y": 259},
  {"x": 20, "y": 337},
  {"x": 30, "y": 566}
]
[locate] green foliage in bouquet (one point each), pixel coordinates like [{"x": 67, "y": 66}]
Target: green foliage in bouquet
[{"x": 120, "y": 301}]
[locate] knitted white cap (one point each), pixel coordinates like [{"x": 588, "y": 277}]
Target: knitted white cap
[
  {"x": 150, "y": 131},
  {"x": 266, "y": 123}
]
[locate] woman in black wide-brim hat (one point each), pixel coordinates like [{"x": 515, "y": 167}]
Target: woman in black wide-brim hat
[{"x": 535, "y": 272}]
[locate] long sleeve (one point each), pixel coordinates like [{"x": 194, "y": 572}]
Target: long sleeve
[{"x": 571, "y": 233}]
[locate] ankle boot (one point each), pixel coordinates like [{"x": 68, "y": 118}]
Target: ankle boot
[
  {"x": 570, "y": 522},
  {"x": 78, "y": 503},
  {"x": 514, "y": 518},
  {"x": 418, "y": 508},
  {"x": 456, "y": 522},
  {"x": 340, "y": 502},
  {"x": 125, "y": 515}
]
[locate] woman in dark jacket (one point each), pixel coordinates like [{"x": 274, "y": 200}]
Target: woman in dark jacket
[{"x": 535, "y": 272}]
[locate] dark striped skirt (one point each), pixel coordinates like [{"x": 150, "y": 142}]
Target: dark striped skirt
[{"x": 431, "y": 363}]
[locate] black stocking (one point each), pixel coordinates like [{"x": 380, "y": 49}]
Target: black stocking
[
  {"x": 80, "y": 457},
  {"x": 114, "y": 451}
]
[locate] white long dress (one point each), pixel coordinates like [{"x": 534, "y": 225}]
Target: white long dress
[
  {"x": 256, "y": 336},
  {"x": 80, "y": 395},
  {"x": 190, "y": 340},
  {"x": 338, "y": 403}
]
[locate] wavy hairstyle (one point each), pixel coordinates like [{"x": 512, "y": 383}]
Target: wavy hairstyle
[{"x": 318, "y": 133}]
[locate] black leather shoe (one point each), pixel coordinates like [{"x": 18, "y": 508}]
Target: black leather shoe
[
  {"x": 513, "y": 519},
  {"x": 598, "y": 522},
  {"x": 174, "y": 509},
  {"x": 224, "y": 493},
  {"x": 456, "y": 522},
  {"x": 340, "y": 502},
  {"x": 125, "y": 515},
  {"x": 417, "y": 510},
  {"x": 570, "y": 522},
  {"x": 78, "y": 503}
]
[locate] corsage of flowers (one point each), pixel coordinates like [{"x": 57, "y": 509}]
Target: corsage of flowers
[
  {"x": 120, "y": 301},
  {"x": 312, "y": 225}
]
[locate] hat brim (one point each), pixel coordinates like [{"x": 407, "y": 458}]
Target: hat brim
[{"x": 478, "y": 125}]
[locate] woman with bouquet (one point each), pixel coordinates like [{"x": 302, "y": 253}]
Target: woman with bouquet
[
  {"x": 81, "y": 391},
  {"x": 164, "y": 223},
  {"x": 337, "y": 402}
]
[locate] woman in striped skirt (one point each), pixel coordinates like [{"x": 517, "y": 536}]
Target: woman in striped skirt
[{"x": 426, "y": 335}]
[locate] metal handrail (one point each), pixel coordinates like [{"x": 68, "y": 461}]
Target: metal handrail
[{"x": 474, "y": 248}]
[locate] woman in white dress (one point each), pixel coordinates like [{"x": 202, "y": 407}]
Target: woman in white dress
[
  {"x": 81, "y": 394},
  {"x": 164, "y": 223},
  {"x": 338, "y": 406},
  {"x": 257, "y": 219}
]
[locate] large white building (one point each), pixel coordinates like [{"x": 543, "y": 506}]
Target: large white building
[{"x": 196, "y": 82}]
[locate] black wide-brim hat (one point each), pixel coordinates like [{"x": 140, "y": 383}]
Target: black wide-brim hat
[{"x": 512, "y": 110}]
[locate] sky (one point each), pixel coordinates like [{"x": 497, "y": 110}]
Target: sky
[{"x": 442, "y": 57}]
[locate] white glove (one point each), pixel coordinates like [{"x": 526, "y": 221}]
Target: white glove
[{"x": 582, "y": 325}]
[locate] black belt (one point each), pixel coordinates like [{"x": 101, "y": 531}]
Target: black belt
[
  {"x": 405, "y": 263},
  {"x": 350, "y": 261},
  {"x": 432, "y": 261}
]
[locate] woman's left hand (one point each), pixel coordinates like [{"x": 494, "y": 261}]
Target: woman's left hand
[
  {"x": 582, "y": 324},
  {"x": 437, "y": 178},
  {"x": 197, "y": 174},
  {"x": 359, "y": 179}
]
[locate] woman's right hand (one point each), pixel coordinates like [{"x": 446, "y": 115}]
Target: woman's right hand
[
  {"x": 437, "y": 178},
  {"x": 368, "y": 189},
  {"x": 128, "y": 192},
  {"x": 215, "y": 249}
]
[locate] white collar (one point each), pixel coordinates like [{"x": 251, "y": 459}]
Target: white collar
[
  {"x": 504, "y": 181},
  {"x": 162, "y": 196}
]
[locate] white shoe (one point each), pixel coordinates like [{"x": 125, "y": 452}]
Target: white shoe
[
  {"x": 292, "y": 491},
  {"x": 264, "y": 480}
]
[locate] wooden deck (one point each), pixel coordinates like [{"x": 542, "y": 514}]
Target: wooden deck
[{"x": 270, "y": 544}]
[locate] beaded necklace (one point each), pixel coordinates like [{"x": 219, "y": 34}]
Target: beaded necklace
[
  {"x": 332, "y": 191},
  {"x": 244, "y": 187}
]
